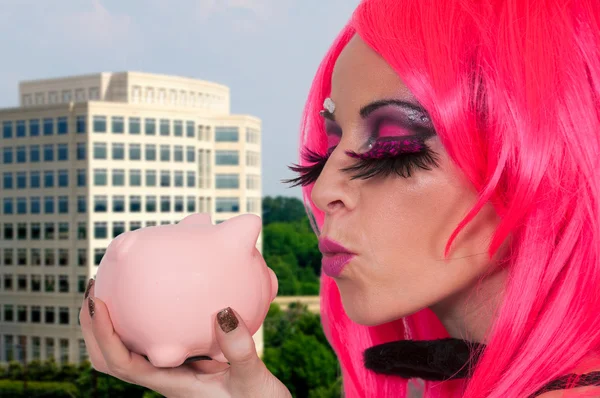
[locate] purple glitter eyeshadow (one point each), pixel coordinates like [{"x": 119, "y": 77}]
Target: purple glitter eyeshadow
[{"x": 390, "y": 148}]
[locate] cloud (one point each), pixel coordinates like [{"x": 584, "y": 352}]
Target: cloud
[{"x": 255, "y": 10}]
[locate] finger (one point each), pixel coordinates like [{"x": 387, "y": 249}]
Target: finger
[
  {"x": 127, "y": 365},
  {"x": 208, "y": 367},
  {"x": 237, "y": 345},
  {"x": 95, "y": 355}
]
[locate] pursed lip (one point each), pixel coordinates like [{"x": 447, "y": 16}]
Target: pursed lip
[{"x": 335, "y": 257}]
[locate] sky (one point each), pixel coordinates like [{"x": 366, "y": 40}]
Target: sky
[{"x": 266, "y": 51}]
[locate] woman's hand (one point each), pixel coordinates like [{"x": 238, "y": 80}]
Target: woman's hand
[{"x": 246, "y": 376}]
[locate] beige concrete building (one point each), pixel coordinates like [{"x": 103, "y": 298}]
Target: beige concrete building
[{"x": 86, "y": 158}]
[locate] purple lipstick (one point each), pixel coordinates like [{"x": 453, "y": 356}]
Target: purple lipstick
[{"x": 335, "y": 257}]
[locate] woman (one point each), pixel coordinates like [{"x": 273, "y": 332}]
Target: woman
[{"x": 452, "y": 147}]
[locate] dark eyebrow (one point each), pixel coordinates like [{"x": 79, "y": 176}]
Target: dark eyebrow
[{"x": 373, "y": 106}]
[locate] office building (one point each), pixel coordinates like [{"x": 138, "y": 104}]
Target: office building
[{"x": 84, "y": 159}]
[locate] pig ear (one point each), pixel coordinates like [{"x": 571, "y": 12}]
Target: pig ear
[
  {"x": 197, "y": 219},
  {"x": 243, "y": 230}
]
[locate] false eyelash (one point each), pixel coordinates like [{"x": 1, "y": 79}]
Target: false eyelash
[
  {"x": 310, "y": 173},
  {"x": 392, "y": 156}
]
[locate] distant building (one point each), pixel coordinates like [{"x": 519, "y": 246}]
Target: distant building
[{"x": 86, "y": 158}]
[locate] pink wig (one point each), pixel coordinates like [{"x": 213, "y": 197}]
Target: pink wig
[{"x": 513, "y": 88}]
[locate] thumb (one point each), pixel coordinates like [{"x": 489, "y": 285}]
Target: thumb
[{"x": 237, "y": 345}]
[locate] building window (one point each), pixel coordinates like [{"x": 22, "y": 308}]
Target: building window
[
  {"x": 190, "y": 131},
  {"x": 81, "y": 283},
  {"x": 81, "y": 150},
  {"x": 151, "y": 204},
  {"x": 118, "y": 125},
  {"x": 80, "y": 124},
  {"x": 150, "y": 178},
  {"x": 81, "y": 177},
  {"x": 252, "y": 182},
  {"x": 49, "y": 283},
  {"x": 49, "y": 315},
  {"x": 227, "y": 181},
  {"x": 118, "y": 151},
  {"x": 135, "y": 152},
  {"x": 48, "y": 178},
  {"x": 165, "y": 127},
  {"x": 21, "y": 180},
  {"x": 36, "y": 257},
  {"x": 8, "y": 347},
  {"x": 21, "y": 129},
  {"x": 22, "y": 231},
  {"x": 135, "y": 178},
  {"x": 50, "y": 348},
  {"x": 98, "y": 255},
  {"x": 179, "y": 204},
  {"x": 150, "y": 152},
  {"x": 165, "y": 204},
  {"x": 178, "y": 128},
  {"x": 100, "y": 230},
  {"x": 21, "y": 205},
  {"x": 7, "y": 129},
  {"x": 22, "y": 256},
  {"x": 227, "y": 205},
  {"x": 34, "y": 153},
  {"x": 178, "y": 153},
  {"x": 48, "y": 127},
  {"x": 165, "y": 153},
  {"x": 49, "y": 231},
  {"x": 135, "y": 225},
  {"x": 63, "y": 125},
  {"x": 21, "y": 154},
  {"x": 22, "y": 310},
  {"x": 36, "y": 312},
  {"x": 8, "y": 155},
  {"x": 83, "y": 355},
  {"x": 150, "y": 126},
  {"x": 191, "y": 204},
  {"x": 227, "y": 158},
  {"x": 63, "y": 283},
  {"x": 63, "y": 317},
  {"x": 135, "y": 204},
  {"x": 48, "y": 153},
  {"x": 165, "y": 178},
  {"x": 63, "y": 178},
  {"x": 252, "y": 136},
  {"x": 9, "y": 312},
  {"x": 82, "y": 257},
  {"x": 118, "y": 177},
  {"x": 134, "y": 125},
  {"x": 22, "y": 283},
  {"x": 82, "y": 230},
  {"x": 35, "y": 179},
  {"x": 49, "y": 257},
  {"x": 36, "y": 231},
  {"x": 34, "y": 128},
  {"x": 63, "y": 204},
  {"x": 252, "y": 159},
  {"x": 8, "y": 283},
  {"x": 63, "y": 257},
  {"x": 100, "y": 177},
  {"x": 118, "y": 204},
  {"x": 118, "y": 228},
  {"x": 8, "y": 232},
  {"x": 36, "y": 206},
  {"x": 100, "y": 204},
  {"x": 100, "y": 152},
  {"x": 227, "y": 134},
  {"x": 191, "y": 179},
  {"x": 8, "y": 180},
  {"x": 63, "y": 152},
  {"x": 178, "y": 178},
  {"x": 190, "y": 154},
  {"x": 48, "y": 205},
  {"x": 99, "y": 124},
  {"x": 81, "y": 204}
]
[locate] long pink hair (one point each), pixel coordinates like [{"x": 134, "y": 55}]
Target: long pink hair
[{"x": 513, "y": 88}]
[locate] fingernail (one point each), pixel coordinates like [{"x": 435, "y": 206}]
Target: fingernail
[
  {"x": 91, "y": 306},
  {"x": 227, "y": 320},
  {"x": 88, "y": 288}
]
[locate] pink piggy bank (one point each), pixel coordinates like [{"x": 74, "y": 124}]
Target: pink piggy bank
[{"x": 164, "y": 285}]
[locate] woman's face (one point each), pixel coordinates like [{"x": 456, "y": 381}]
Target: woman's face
[{"x": 397, "y": 226}]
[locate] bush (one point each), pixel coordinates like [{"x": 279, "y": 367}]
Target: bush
[{"x": 37, "y": 389}]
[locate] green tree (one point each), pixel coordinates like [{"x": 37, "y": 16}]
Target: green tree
[
  {"x": 282, "y": 209},
  {"x": 297, "y": 352}
]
